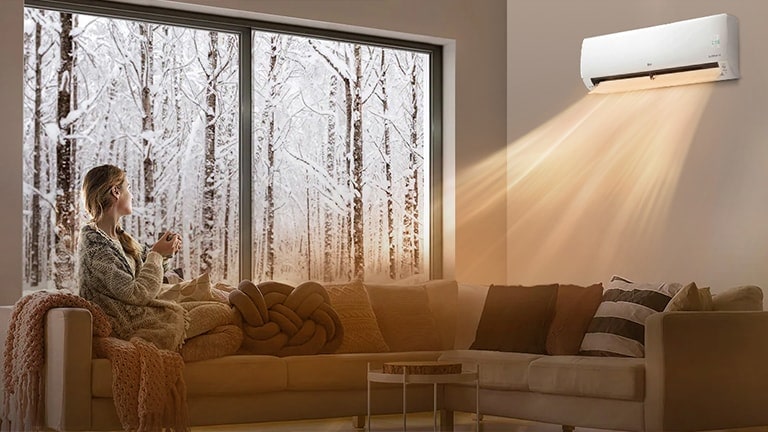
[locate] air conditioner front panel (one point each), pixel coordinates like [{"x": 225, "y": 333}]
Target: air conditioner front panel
[{"x": 690, "y": 43}]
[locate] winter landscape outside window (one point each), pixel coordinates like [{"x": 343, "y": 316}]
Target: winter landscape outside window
[
  {"x": 339, "y": 160},
  {"x": 339, "y": 147}
]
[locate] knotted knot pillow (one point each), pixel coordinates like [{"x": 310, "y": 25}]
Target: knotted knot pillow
[{"x": 281, "y": 320}]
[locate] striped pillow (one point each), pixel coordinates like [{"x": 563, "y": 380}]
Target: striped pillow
[{"x": 618, "y": 327}]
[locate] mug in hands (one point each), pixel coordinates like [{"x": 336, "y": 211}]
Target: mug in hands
[{"x": 169, "y": 236}]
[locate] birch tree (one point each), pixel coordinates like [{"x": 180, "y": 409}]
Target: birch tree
[
  {"x": 357, "y": 169},
  {"x": 387, "y": 155},
  {"x": 411, "y": 221},
  {"x": 329, "y": 164},
  {"x": 37, "y": 152},
  {"x": 209, "y": 185},
  {"x": 65, "y": 176},
  {"x": 146, "y": 80}
]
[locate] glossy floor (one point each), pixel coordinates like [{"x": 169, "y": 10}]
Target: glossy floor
[{"x": 420, "y": 422}]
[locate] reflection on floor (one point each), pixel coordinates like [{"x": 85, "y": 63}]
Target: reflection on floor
[
  {"x": 420, "y": 422},
  {"x": 417, "y": 422}
]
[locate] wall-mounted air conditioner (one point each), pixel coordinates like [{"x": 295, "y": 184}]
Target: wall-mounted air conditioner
[{"x": 684, "y": 52}]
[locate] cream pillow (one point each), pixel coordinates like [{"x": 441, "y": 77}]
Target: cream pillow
[
  {"x": 687, "y": 299},
  {"x": 198, "y": 289},
  {"x": 740, "y": 298},
  {"x": 361, "y": 332}
]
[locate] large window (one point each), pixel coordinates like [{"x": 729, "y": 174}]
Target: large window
[{"x": 277, "y": 152}]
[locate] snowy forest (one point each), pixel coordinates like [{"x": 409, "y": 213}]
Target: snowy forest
[{"x": 339, "y": 168}]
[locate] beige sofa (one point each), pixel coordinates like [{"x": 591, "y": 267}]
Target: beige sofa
[{"x": 702, "y": 371}]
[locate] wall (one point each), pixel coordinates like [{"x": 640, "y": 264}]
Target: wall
[
  {"x": 712, "y": 228},
  {"x": 10, "y": 164},
  {"x": 475, "y": 45}
]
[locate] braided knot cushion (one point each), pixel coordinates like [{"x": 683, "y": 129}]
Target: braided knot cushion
[{"x": 281, "y": 320}]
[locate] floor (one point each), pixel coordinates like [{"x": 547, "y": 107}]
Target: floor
[{"x": 419, "y": 422}]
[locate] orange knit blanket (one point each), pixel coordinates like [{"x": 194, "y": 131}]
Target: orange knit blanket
[
  {"x": 157, "y": 402},
  {"x": 22, "y": 407}
]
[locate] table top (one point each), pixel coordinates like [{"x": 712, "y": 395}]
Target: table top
[
  {"x": 436, "y": 367},
  {"x": 379, "y": 376}
]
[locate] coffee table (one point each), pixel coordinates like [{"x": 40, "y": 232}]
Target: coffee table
[{"x": 424, "y": 376}]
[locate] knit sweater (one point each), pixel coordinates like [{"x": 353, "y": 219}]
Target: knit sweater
[{"x": 128, "y": 298}]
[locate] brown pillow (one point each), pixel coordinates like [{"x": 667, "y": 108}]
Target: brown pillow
[
  {"x": 574, "y": 310},
  {"x": 404, "y": 316},
  {"x": 516, "y": 319},
  {"x": 361, "y": 332}
]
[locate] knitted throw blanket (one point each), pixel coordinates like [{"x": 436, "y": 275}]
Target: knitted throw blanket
[
  {"x": 147, "y": 383},
  {"x": 22, "y": 405},
  {"x": 159, "y": 401}
]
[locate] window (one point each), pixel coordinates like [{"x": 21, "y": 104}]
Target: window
[{"x": 328, "y": 176}]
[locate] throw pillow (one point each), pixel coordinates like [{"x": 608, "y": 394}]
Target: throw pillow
[
  {"x": 618, "y": 327},
  {"x": 198, "y": 289},
  {"x": 705, "y": 295},
  {"x": 361, "y": 332},
  {"x": 516, "y": 319},
  {"x": 404, "y": 317},
  {"x": 740, "y": 298},
  {"x": 574, "y": 310},
  {"x": 687, "y": 299}
]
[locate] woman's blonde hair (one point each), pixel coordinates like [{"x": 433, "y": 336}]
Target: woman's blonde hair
[{"x": 97, "y": 196}]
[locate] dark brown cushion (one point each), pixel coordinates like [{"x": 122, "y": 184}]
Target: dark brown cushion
[
  {"x": 516, "y": 318},
  {"x": 574, "y": 310}
]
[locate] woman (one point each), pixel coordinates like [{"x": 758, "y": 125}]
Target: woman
[{"x": 120, "y": 275}]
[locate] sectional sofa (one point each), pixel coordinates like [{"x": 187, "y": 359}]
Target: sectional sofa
[{"x": 702, "y": 371}]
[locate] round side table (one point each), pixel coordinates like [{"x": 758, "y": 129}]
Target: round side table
[{"x": 421, "y": 372}]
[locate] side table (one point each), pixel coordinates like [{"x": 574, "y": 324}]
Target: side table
[{"x": 424, "y": 376}]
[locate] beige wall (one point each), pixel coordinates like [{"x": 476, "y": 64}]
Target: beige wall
[
  {"x": 474, "y": 36},
  {"x": 10, "y": 145},
  {"x": 714, "y": 229}
]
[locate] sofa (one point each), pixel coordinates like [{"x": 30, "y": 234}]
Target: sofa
[{"x": 702, "y": 370}]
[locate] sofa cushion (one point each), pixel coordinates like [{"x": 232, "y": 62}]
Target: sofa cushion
[
  {"x": 443, "y": 295},
  {"x": 342, "y": 371},
  {"x": 618, "y": 327},
  {"x": 498, "y": 370},
  {"x": 472, "y": 299},
  {"x": 574, "y": 310},
  {"x": 404, "y": 317},
  {"x": 599, "y": 377},
  {"x": 516, "y": 319},
  {"x": 231, "y": 375},
  {"x": 361, "y": 332}
]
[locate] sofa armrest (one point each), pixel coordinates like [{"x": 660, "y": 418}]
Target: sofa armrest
[
  {"x": 68, "y": 342},
  {"x": 706, "y": 370}
]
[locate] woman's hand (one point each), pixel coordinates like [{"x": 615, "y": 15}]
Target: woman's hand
[{"x": 168, "y": 245}]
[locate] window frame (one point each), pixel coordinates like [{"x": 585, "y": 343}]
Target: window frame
[{"x": 244, "y": 28}]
